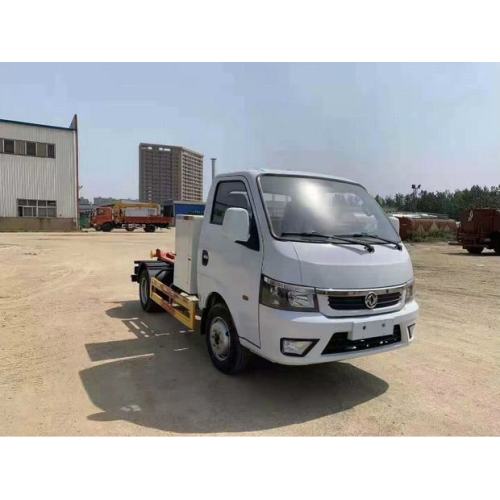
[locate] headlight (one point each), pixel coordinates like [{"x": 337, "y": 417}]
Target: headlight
[
  {"x": 289, "y": 297},
  {"x": 410, "y": 291}
]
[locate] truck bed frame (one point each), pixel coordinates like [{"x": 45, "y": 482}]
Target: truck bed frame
[{"x": 182, "y": 306}]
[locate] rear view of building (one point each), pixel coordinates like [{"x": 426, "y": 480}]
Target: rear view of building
[
  {"x": 38, "y": 177},
  {"x": 169, "y": 173}
]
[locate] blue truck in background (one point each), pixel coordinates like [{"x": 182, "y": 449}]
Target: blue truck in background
[{"x": 174, "y": 208}]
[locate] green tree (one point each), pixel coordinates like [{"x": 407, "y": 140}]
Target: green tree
[{"x": 446, "y": 202}]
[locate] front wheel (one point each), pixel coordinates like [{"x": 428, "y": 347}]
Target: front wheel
[{"x": 223, "y": 343}]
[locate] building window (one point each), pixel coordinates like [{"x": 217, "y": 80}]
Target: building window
[
  {"x": 36, "y": 208},
  {"x": 8, "y": 146},
  {"x": 41, "y": 149},
  {"x": 20, "y": 147},
  {"x": 31, "y": 148}
]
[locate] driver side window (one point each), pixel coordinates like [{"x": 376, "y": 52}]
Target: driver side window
[{"x": 231, "y": 194}]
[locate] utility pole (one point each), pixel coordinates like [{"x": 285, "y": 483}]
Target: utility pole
[
  {"x": 415, "y": 188},
  {"x": 213, "y": 167}
]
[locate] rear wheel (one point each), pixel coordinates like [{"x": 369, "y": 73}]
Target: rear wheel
[
  {"x": 144, "y": 293},
  {"x": 150, "y": 229},
  {"x": 474, "y": 250},
  {"x": 223, "y": 343},
  {"x": 495, "y": 240}
]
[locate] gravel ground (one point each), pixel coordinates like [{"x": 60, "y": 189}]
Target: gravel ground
[{"x": 79, "y": 357}]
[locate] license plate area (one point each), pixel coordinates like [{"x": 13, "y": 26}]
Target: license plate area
[{"x": 373, "y": 328}]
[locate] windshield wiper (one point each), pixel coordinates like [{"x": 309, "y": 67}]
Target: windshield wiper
[
  {"x": 376, "y": 237},
  {"x": 330, "y": 237}
]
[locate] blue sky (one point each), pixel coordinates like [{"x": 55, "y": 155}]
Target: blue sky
[{"x": 385, "y": 125}]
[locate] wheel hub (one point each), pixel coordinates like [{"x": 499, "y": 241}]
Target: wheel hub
[{"x": 220, "y": 339}]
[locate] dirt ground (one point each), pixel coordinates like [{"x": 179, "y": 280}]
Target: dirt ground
[{"x": 78, "y": 356}]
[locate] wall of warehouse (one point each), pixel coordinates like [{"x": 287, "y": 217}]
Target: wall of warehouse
[{"x": 28, "y": 177}]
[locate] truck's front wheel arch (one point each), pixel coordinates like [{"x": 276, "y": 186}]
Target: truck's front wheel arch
[{"x": 213, "y": 298}]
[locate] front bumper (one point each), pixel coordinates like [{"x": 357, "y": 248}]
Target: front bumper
[{"x": 277, "y": 324}]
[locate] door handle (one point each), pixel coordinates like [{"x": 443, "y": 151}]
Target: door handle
[{"x": 204, "y": 258}]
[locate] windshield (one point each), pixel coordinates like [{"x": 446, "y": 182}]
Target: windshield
[{"x": 301, "y": 206}]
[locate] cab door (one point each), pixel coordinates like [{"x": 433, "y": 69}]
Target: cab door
[{"x": 232, "y": 269}]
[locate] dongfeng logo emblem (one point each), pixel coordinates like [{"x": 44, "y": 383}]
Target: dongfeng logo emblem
[{"x": 371, "y": 300}]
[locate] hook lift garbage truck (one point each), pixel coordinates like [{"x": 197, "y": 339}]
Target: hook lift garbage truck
[{"x": 298, "y": 268}]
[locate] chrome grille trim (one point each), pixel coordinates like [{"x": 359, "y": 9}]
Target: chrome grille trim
[
  {"x": 362, "y": 291},
  {"x": 350, "y": 302}
]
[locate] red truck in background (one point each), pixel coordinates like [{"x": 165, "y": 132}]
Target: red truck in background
[
  {"x": 129, "y": 216},
  {"x": 479, "y": 229}
]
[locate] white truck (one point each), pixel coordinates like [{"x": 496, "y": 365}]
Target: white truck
[{"x": 298, "y": 268}]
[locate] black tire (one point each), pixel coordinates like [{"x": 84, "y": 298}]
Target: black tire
[
  {"x": 107, "y": 227},
  {"x": 150, "y": 229},
  {"x": 474, "y": 250},
  {"x": 144, "y": 287},
  {"x": 236, "y": 358},
  {"x": 496, "y": 244}
]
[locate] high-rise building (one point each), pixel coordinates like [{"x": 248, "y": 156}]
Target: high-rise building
[{"x": 169, "y": 173}]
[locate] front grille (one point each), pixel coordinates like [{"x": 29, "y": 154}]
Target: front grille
[
  {"x": 340, "y": 343},
  {"x": 357, "y": 302}
]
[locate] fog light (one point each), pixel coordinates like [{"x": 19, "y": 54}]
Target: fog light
[
  {"x": 411, "y": 331},
  {"x": 296, "y": 347}
]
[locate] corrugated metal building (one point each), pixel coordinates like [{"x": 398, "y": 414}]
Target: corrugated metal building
[{"x": 38, "y": 176}]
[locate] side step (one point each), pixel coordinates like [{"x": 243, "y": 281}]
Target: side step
[{"x": 181, "y": 306}]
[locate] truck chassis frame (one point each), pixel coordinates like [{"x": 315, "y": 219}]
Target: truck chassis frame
[{"x": 180, "y": 305}]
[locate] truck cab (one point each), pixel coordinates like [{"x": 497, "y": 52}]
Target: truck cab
[
  {"x": 101, "y": 217},
  {"x": 300, "y": 268}
]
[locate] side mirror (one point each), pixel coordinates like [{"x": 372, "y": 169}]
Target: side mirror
[
  {"x": 394, "y": 222},
  {"x": 236, "y": 224}
]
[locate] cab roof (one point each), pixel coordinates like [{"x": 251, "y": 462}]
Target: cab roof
[{"x": 254, "y": 173}]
